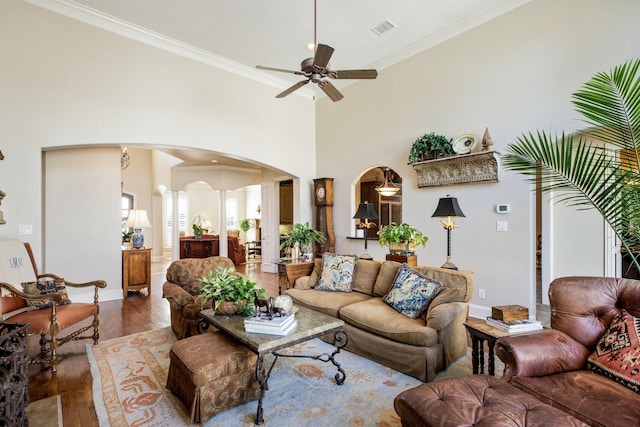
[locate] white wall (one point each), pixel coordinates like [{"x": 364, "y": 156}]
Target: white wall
[
  {"x": 83, "y": 218},
  {"x": 67, "y": 84},
  {"x": 513, "y": 75}
]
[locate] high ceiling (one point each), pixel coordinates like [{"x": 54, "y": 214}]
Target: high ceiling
[{"x": 240, "y": 34}]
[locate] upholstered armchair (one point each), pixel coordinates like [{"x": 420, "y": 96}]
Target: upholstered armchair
[
  {"x": 41, "y": 302},
  {"x": 182, "y": 290}
]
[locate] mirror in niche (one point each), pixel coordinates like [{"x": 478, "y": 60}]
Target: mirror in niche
[{"x": 381, "y": 186}]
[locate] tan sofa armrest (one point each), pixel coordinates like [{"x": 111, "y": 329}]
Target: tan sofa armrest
[
  {"x": 302, "y": 283},
  {"x": 538, "y": 354},
  {"x": 176, "y": 293},
  {"x": 442, "y": 315}
]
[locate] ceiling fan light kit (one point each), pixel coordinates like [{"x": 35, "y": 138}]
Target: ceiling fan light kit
[{"x": 316, "y": 70}]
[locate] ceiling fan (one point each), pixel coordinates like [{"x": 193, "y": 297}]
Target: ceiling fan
[{"x": 316, "y": 69}]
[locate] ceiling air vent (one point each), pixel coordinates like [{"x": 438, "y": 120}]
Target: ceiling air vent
[{"x": 382, "y": 28}]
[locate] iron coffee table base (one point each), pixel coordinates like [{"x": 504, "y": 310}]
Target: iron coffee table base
[{"x": 341, "y": 339}]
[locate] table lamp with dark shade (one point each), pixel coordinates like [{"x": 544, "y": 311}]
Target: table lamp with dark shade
[
  {"x": 448, "y": 208},
  {"x": 366, "y": 211}
]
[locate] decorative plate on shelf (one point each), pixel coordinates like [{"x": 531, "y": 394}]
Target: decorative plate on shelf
[{"x": 464, "y": 143}]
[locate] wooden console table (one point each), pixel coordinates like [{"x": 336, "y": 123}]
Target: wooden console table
[
  {"x": 198, "y": 248},
  {"x": 136, "y": 270}
]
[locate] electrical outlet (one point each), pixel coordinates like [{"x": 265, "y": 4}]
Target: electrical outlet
[{"x": 481, "y": 294}]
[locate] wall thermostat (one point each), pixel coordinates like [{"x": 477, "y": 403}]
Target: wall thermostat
[{"x": 503, "y": 208}]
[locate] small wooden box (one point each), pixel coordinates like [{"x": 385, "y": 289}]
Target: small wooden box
[{"x": 509, "y": 313}]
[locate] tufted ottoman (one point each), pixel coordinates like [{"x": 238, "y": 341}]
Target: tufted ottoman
[
  {"x": 476, "y": 400},
  {"x": 210, "y": 373}
]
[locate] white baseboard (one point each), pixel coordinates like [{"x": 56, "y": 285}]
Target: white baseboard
[{"x": 479, "y": 311}]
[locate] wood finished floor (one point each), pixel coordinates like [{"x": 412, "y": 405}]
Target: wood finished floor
[{"x": 137, "y": 313}]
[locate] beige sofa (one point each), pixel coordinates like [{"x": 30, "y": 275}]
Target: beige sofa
[{"x": 417, "y": 347}]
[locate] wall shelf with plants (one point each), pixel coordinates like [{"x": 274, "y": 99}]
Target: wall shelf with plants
[{"x": 437, "y": 163}]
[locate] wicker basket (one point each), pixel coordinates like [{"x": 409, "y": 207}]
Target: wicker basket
[{"x": 228, "y": 307}]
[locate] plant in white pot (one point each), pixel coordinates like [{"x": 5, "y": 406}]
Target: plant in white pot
[
  {"x": 403, "y": 239},
  {"x": 303, "y": 236}
]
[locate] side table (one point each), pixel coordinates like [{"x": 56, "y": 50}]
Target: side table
[
  {"x": 481, "y": 332},
  {"x": 136, "y": 270},
  {"x": 289, "y": 271}
]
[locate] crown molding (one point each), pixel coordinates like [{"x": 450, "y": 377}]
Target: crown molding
[{"x": 93, "y": 17}]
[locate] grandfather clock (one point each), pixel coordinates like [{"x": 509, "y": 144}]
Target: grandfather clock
[{"x": 323, "y": 199}]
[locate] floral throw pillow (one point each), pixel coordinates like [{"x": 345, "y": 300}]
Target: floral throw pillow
[
  {"x": 337, "y": 272},
  {"x": 47, "y": 287},
  {"x": 617, "y": 354},
  {"x": 412, "y": 292}
]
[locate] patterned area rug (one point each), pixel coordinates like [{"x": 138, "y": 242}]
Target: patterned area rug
[{"x": 129, "y": 376}]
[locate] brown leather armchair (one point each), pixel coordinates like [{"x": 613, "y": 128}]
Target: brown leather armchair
[
  {"x": 182, "y": 289},
  {"x": 552, "y": 365}
]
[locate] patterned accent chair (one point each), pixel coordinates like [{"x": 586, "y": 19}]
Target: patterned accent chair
[
  {"x": 182, "y": 289},
  {"x": 41, "y": 302}
]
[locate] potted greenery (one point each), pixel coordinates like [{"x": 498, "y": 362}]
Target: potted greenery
[
  {"x": 403, "y": 239},
  {"x": 304, "y": 236},
  {"x": 430, "y": 146},
  {"x": 197, "y": 231},
  {"x": 230, "y": 292},
  {"x": 245, "y": 224}
]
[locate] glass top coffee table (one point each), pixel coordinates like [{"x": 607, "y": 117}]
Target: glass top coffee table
[{"x": 311, "y": 324}]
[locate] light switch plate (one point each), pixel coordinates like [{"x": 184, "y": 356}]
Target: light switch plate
[
  {"x": 25, "y": 229},
  {"x": 502, "y": 226}
]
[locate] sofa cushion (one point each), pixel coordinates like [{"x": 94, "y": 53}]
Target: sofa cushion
[
  {"x": 617, "y": 354},
  {"x": 386, "y": 276},
  {"x": 375, "y": 316},
  {"x": 412, "y": 292},
  {"x": 365, "y": 277},
  {"x": 325, "y": 301},
  {"x": 314, "y": 277},
  {"x": 337, "y": 273}
]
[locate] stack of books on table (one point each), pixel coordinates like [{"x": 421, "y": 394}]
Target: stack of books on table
[
  {"x": 515, "y": 326},
  {"x": 280, "y": 325}
]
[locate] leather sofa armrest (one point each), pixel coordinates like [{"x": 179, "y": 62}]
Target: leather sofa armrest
[
  {"x": 538, "y": 354},
  {"x": 174, "y": 292},
  {"x": 441, "y": 316}
]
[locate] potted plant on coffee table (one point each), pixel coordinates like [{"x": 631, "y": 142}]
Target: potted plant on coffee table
[
  {"x": 403, "y": 239},
  {"x": 229, "y": 291},
  {"x": 303, "y": 235}
]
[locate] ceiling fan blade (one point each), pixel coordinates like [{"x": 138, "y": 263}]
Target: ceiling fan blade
[
  {"x": 292, "y": 88},
  {"x": 355, "y": 74},
  {"x": 323, "y": 55},
  {"x": 281, "y": 70},
  {"x": 330, "y": 90}
]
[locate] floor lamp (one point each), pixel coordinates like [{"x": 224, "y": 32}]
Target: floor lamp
[
  {"x": 448, "y": 208},
  {"x": 366, "y": 211}
]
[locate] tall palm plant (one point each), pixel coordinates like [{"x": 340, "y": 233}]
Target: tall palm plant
[{"x": 597, "y": 168}]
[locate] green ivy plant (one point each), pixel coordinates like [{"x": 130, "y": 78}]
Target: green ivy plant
[
  {"x": 225, "y": 284},
  {"x": 304, "y": 235},
  {"x": 197, "y": 230},
  {"x": 428, "y": 143}
]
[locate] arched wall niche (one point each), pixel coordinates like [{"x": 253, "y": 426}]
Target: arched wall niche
[{"x": 388, "y": 208}]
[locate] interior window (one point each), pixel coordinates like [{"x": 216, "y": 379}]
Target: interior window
[{"x": 371, "y": 189}]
